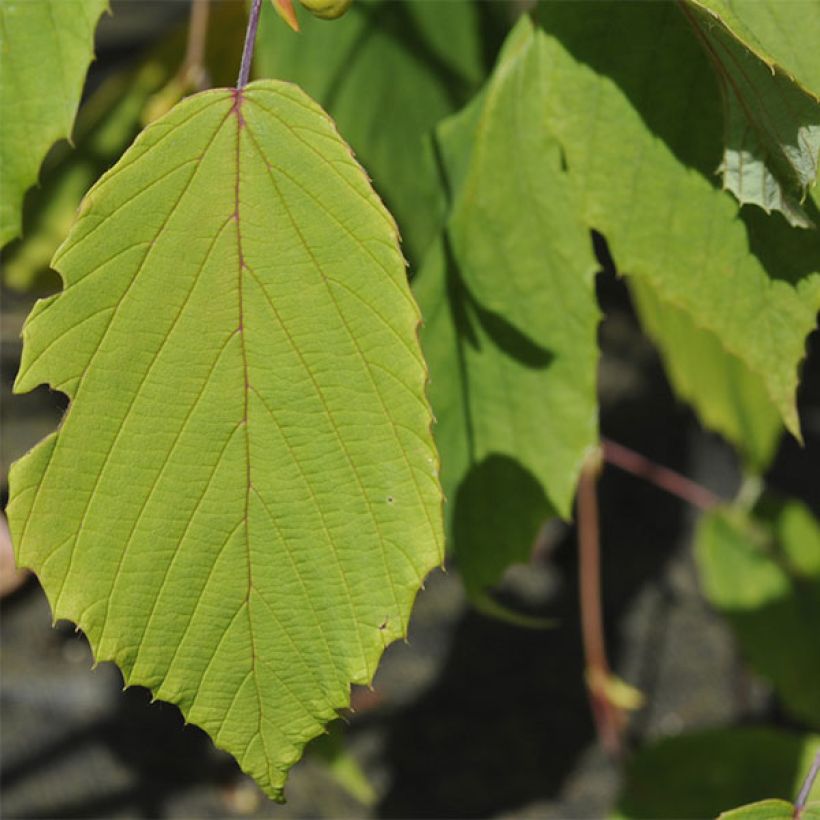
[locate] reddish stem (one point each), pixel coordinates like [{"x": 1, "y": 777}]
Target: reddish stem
[
  {"x": 193, "y": 66},
  {"x": 250, "y": 39},
  {"x": 607, "y": 716},
  {"x": 805, "y": 789},
  {"x": 669, "y": 480}
]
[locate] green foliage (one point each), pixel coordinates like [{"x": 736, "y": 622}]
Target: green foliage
[
  {"x": 731, "y": 398},
  {"x": 762, "y": 810},
  {"x": 782, "y": 34},
  {"x": 44, "y": 54},
  {"x": 772, "y": 136},
  {"x": 387, "y": 73},
  {"x": 241, "y": 501},
  {"x": 704, "y": 773},
  {"x": 342, "y": 766},
  {"x": 106, "y": 124},
  {"x": 518, "y": 414},
  {"x": 647, "y": 185},
  {"x": 763, "y": 573}
]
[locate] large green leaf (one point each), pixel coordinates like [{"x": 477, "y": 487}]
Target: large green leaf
[
  {"x": 387, "y": 72},
  {"x": 241, "y": 501},
  {"x": 705, "y": 773},
  {"x": 782, "y": 34},
  {"x": 772, "y": 135},
  {"x": 640, "y": 129},
  {"x": 764, "y": 575},
  {"x": 510, "y": 321},
  {"x": 45, "y": 50},
  {"x": 762, "y": 810},
  {"x": 106, "y": 125},
  {"x": 730, "y": 398}
]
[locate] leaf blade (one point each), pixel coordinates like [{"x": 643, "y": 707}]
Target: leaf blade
[
  {"x": 636, "y": 161},
  {"x": 510, "y": 309},
  {"x": 772, "y": 124},
  {"x": 42, "y": 40},
  {"x": 730, "y": 766},
  {"x": 763, "y": 574},
  {"x": 387, "y": 72},
  {"x": 262, "y": 558}
]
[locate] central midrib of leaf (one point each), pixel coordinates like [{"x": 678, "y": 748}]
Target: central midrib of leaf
[{"x": 236, "y": 114}]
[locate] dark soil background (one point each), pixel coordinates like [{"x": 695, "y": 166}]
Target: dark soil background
[{"x": 471, "y": 717}]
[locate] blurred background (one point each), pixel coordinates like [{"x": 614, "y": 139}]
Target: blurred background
[{"x": 471, "y": 717}]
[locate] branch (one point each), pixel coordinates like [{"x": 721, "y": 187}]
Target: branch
[
  {"x": 193, "y": 67},
  {"x": 805, "y": 789},
  {"x": 250, "y": 40},
  {"x": 662, "y": 477},
  {"x": 608, "y": 717}
]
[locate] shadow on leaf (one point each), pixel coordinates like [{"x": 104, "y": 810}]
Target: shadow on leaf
[{"x": 498, "y": 509}]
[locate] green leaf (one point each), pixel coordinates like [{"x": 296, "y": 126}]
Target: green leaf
[
  {"x": 782, "y": 34},
  {"x": 728, "y": 396},
  {"x": 772, "y": 124},
  {"x": 241, "y": 501},
  {"x": 640, "y": 129},
  {"x": 510, "y": 322},
  {"x": 764, "y": 575},
  {"x": 387, "y": 72},
  {"x": 106, "y": 124},
  {"x": 704, "y": 773},
  {"x": 45, "y": 50},
  {"x": 342, "y": 766},
  {"x": 762, "y": 810}
]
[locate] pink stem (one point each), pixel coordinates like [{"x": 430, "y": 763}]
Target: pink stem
[
  {"x": 250, "y": 39},
  {"x": 805, "y": 789},
  {"x": 669, "y": 480},
  {"x": 607, "y": 715}
]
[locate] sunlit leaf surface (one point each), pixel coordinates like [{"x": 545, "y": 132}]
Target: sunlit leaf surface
[{"x": 241, "y": 501}]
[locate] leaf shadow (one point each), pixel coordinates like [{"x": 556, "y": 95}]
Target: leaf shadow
[
  {"x": 498, "y": 509},
  {"x": 162, "y": 757},
  {"x": 664, "y": 65},
  {"x": 395, "y": 22},
  {"x": 467, "y": 311},
  {"x": 507, "y": 721},
  {"x": 788, "y": 254}
]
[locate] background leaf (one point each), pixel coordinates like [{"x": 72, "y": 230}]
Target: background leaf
[
  {"x": 763, "y": 574},
  {"x": 44, "y": 54},
  {"x": 763, "y": 810},
  {"x": 241, "y": 501},
  {"x": 509, "y": 306},
  {"x": 640, "y": 129},
  {"x": 106, "y": 125},
  {"x": 784, "y": 34},
  {"x": 731, "y": 399},
  {"x": 772, "y": 124},
  {"x": 387, "y": 72},
  {"x": 705, "y": 773}
]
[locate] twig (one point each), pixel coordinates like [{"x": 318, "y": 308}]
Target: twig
[
  {"x": 607, "y": 715},
  {"x": 669, "y": 480},
  {"x": 193, "y": 67},
  {"x": 805, "y": 789},
  {"x": 250, "y": 39}
]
